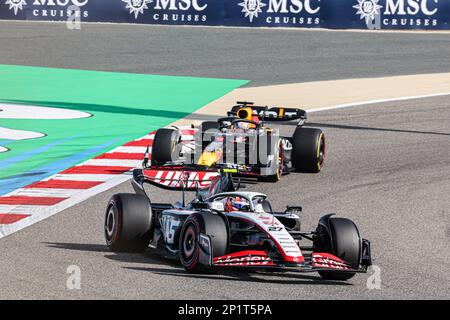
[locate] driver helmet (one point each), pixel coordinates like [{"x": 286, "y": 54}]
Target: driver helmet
[
  {"x": 236, "y": 204},
  {"x": 245, "y": 125}
]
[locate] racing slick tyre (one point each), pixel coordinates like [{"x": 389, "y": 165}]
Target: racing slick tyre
[
  {"x": 164, "y": 148},
  {"x": 345, "y": 243},
  {"x": 209, "y": 224},
  {"x": 308, "y": 149},
  {"x": 210, "y": 127},
  {"x": 128, "y": 223}
]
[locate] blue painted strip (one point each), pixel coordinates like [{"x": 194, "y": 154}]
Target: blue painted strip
[
  {"x": 26, "y": 155},
  {"x": 4, "y": 143},
  {"x": 8, "y": 185}
]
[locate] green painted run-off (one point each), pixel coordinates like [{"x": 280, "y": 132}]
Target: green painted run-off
[{"x": 124, "y": 107}]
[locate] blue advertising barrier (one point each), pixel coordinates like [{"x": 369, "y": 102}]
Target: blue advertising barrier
[{"x": 332, "y": 14}]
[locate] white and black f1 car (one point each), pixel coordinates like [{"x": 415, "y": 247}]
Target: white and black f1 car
[
  {"x": 227, "y": 228},
  {"x": 243, "y": 141}
]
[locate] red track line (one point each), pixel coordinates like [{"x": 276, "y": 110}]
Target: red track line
[
  {"x": 31, "y": 201},
  {"x": 64, "y": 184},
  {"x": 96, "y": 170},
  {"x": 121, "y": 155},
  {"x": 9, "y": 218}
]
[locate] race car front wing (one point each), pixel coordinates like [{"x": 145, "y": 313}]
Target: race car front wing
[{"x": 260, "y": 259}]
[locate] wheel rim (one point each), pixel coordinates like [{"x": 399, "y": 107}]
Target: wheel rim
[
  {"x": 110, "y": 223},
  {"x": 189, "y": 243},
  {"x": 280, "y": 161},
  {"x": 321, "y": 151}
]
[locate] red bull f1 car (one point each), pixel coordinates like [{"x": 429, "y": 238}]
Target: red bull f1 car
[
  {"x": 224, "y": 227},
  {"x": 243, "y": 141}
]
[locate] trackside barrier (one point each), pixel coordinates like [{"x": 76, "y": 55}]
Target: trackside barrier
[{"x": 332, "y": 14}]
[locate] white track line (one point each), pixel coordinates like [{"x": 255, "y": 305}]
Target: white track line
[
  {"x": 130, "y": 149},
  {"x": 112, "y": 163},
  {"x": 252, "y": 28},
  {"x": 21, "y": 209},
  {"x": 46, "y": 192},
  {"x": 84, "y": 177},
  {"x": 363, "y": 103}
]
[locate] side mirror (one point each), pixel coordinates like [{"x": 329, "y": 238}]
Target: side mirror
[
  {"x": 293, "y": 209},
  {"x": 198, "y": 193},
  {"x": 200, "y": 205},
  {"x": 266, "y": 206},
  {"x": 217, "y": 205}
]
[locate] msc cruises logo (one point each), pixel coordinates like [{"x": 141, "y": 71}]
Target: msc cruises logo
[
  {"x": 398, "y": 13},
  {"x": 368, "y": 9},
  {"x": 56, "y": 9},
  {"x": 283, "y": 12},
  {"x": 178, "y": 11},
  {"x": 252, "y": 8},
  {"x": 137, "y": 7},
  {"x": 16, "y": 5}
]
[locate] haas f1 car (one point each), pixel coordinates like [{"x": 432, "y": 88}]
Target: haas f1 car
[
  {"x": 227, "y": 228},
  {"x": 243, "y": 141}
]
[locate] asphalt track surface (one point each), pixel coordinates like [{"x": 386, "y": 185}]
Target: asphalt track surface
[
  {"x": 264, "y": 56},
  {"x": 387, "y": 168}
]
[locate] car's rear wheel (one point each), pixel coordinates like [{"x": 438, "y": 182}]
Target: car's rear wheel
[
  {"x": 209, "y": 224},
  {"x": 164, "y": 148},
  {"x": 344, "y": 242},
  {"x": 128, "y": 223},
  {"x": 308, "y": 150}
]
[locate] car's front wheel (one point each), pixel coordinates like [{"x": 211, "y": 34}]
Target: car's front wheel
[
  {"x": 308, "y": 150},
  {"x": 208, "y": 224},
  {"x": 343, "y": 241},
  {"x": 165, "y": 146}
]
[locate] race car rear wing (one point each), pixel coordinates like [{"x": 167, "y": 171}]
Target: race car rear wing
[
  {"x": 173, "y": 178},
  {"x": 270, "y": 114},
  {"x": 205, "y": 183}
]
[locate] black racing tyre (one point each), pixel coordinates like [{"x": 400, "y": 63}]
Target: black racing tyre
[
  {"x": 207, "y": 130},
  {"x": 128, "y": 223},
  {"x": 346, "y": 244},
  {"x": 206, "y": 223},
  {"x": 308, "y": 150},
  {"x": 164, "y": 148}
]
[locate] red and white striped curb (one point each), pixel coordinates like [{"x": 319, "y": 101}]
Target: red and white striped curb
[{"x": 40, "y": 200}]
